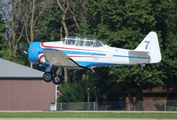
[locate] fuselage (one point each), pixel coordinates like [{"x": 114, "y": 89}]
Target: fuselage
[
  {"x": 77, "y": 53},
  {"x": 87, "y": 56}
]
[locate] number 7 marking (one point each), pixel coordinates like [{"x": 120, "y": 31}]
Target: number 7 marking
[{"x": 146, "y": 47}]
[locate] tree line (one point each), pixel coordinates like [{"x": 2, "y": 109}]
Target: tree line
[{"x": 118, "y": 23}]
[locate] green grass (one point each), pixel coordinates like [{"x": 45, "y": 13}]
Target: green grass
[{"x": 87, "y": 115}]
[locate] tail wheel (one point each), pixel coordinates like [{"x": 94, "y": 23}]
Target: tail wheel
[
  {"x": 57, "y": 79},
  {"x": 142, "y": 67},
  {"x": 48, "y": 76}
]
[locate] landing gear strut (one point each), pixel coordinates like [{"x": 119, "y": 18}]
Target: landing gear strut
[{"x": 57, "y": 78}]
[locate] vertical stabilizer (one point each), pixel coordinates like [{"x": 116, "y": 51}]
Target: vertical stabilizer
[{"x": 150, "y": 45}]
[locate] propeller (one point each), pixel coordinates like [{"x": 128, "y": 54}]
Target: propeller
[
  {"x": 25, "y": 51},
  {"x": 21, "y": 47}
]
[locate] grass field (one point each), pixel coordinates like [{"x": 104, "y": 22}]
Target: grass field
[{"x": 158, "y": 115}]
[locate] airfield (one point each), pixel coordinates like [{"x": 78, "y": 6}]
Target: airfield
[
  {"x": 18, "y": 115},
  {"x": 82, "y": 119}
]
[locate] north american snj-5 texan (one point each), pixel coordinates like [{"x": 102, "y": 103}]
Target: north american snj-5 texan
[{"x": 78, "y": 53}]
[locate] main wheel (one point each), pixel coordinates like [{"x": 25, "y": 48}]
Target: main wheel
[
  {"x": 48, "y": 76},
  {"x": 57, "y": 79}
]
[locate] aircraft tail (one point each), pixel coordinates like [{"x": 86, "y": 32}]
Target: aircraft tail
[{"x": 150, "y": 45}]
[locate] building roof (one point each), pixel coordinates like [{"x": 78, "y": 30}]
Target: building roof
[{"x": 10, "y": 69}]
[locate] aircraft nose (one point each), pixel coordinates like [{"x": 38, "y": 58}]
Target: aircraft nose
[{"x": 34, "y": 51}]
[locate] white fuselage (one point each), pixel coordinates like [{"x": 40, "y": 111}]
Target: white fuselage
[{"x": 87, "y": 56}]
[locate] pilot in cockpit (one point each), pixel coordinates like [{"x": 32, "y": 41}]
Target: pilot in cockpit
[
  {"x": 70, "y": 42},
  {"x": 91, "y": 44}
]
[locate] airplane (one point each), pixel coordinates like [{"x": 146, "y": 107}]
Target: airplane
[{"x": 87, "y": 53}]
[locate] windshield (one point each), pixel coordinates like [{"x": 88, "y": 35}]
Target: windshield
[{"x": 81, "y": 41}]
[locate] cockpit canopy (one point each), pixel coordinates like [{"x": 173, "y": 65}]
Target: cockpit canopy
[{"x": 82, "y": 42}]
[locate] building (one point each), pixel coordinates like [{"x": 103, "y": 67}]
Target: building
[
  {"x": 158, "y": 99},
  {"x": 23, "y": 88}
]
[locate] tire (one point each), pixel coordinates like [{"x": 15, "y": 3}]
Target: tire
[
  {"x": 48, "y": 76},
  {"x": 57, "y": 79}
]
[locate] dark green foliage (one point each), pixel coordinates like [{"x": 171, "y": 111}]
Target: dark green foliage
[
  {"x": 2, "y": 37},
  {"x": 48, "y": 26},
  {"x": 125, "y": 24},
  {"x": 169, "y": 45},
  {"x": 2, "y": 28},
  {"x": 74, "y": 92},
  {"x": 119, "y": 23}
]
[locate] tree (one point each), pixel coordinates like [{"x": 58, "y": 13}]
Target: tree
[
  {"x": 70, "y": 14},
  {"x": 169, "y": 35},
  {"x": 75, "y": 92},
  {"x": 118, "y": 23},
  {"x": 31, "y": 11},
  {"x": 14, "y": 29},
  {"x": 125, "y": 24},
  {"x": 2, "y": 37}
]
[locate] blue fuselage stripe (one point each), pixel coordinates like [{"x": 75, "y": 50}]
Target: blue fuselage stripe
[
  {"x": 99, "y": 54},
  {"x": 130, "y": 56},
  {"x": 90, "y": 64},
  {"x": 83, "y": 53}
]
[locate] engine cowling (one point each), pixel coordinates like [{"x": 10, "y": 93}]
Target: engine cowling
[{"x": 35, "y": 53}]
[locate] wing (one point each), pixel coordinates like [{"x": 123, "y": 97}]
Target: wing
[{"x": 58, "y": 58}]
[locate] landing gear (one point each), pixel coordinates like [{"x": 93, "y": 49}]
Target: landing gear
[
  {"x": 48, "y": 76},
  {"x": 142, "y": 67}
]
